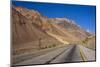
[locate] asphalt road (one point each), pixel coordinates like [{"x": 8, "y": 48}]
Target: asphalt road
[{"x": 72, "y": 53}]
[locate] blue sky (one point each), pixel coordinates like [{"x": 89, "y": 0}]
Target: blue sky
[{"x": 82, "y": 15}]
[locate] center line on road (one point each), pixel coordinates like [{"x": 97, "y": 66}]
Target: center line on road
[{"x": 82, "y": 55}]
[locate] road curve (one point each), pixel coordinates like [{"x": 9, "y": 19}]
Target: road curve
[{"x": 72, "y": 53}]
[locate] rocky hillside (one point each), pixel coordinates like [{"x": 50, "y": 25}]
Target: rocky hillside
[
  {"x": 29, "y": 35},
  {"x": 90, "y": 42},
  {"x": 72, "y": 28}
]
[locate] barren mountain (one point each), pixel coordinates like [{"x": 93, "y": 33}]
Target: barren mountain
[
  {"x": 27, "y": 34},
  {"x": 31, "y": 30},
  {"x": 72, "y": 28}
]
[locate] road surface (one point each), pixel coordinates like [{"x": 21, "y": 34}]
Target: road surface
[{"x": 71, "y": 53}]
